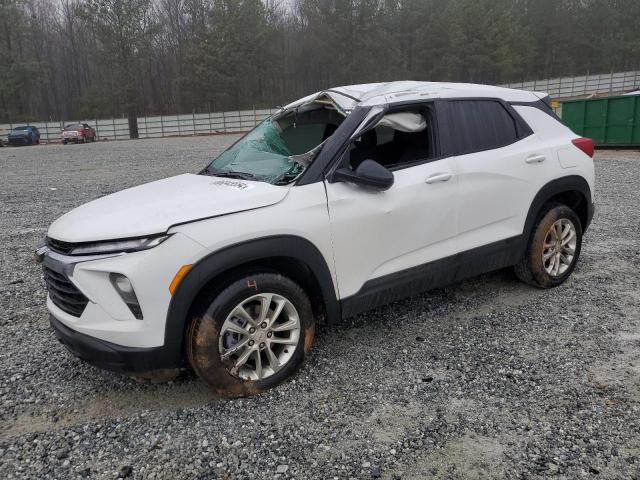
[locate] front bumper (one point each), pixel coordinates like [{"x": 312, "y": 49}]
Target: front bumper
[
  {"x": 19, "y": 140},
  {"x": 103, "y": 331},
  {"x": 110, "y": 356}
]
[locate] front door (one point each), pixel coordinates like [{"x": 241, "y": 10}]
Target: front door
[{"x": 378, "y": 236}]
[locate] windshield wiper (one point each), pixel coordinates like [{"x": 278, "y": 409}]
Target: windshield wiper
[
  {"x": 287, "y": 178},
  {"x": 232, "y": 174}
]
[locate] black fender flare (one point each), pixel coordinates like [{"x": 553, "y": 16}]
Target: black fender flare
[
  {"x": 209, "y": 267},
  {"x": 571, "y": 183}
]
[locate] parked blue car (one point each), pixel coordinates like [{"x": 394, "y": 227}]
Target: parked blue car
[{"x": 24, "y": 135}]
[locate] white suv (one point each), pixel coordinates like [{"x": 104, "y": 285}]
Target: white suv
[{"x": 340, "y": 202}]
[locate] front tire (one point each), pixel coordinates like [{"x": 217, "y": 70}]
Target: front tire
[
  {"x": 251, "y": 336},
  {"x": 553, "y": 249}
]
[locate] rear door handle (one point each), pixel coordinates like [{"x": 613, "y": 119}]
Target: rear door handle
[
  {"x": 535, "y": 159},
  {"x": 439, "y": 177}
]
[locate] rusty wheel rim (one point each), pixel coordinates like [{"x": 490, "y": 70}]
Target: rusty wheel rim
[
  {"x": 259, "y": 337},
  {"x": 559, "y": 249}
]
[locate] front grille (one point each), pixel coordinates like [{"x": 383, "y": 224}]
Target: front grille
[
  {"x": 64, "y": 294},
  {"x": 59, "y": 246}
]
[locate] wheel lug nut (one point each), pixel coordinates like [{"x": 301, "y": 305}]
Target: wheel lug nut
[
  {"x": 252, "y": 330},
  {"x": 263, "y": 324},
  {"x": 262, "y": 345},
  {"x": 269, "y": 334},
  {"x": 251, "y": 342}
]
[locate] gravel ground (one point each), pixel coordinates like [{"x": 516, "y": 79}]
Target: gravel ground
[{"x": 485, "y": 379}]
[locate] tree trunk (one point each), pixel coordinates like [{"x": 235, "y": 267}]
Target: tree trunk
[{"x": 133, "y": 124}]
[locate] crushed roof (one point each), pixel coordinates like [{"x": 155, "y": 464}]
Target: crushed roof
[{"x": 371, "y": 94}]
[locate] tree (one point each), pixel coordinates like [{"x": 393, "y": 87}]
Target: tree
[
  {"x": 72, "y": 59},
  {"x": 124, "y": 30}
]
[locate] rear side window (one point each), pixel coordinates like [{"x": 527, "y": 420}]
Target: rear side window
[{"x": 480, "y": 125}]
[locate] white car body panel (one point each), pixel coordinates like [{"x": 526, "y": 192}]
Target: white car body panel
[
  {"x": 371, "y": 94},
  {"x": 379, "y": 233},
  {"x": 154, "y": 207},
  {"x": 150, "y": 271},
  {"x": 556, "y": 138},
  {"x": 496, "y": 188},
  {"x": 303, "y": 213}
]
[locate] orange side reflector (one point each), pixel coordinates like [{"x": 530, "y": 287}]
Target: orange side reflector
[{"x": 178, "y": 278}]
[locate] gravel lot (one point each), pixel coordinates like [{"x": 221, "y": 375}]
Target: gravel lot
[{"x": 486, "y": 379}]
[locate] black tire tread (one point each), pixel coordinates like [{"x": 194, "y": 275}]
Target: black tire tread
[
  {"x": 217, "y": 376},
  {"x": 523, "y": 269}
]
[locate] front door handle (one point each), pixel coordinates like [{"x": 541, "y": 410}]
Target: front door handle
[
  {"x": 439, "y": 177},
  {"x": 535, "y": 159}
]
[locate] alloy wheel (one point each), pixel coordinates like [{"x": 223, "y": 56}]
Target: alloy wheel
[
  {"x": 559, "y": 247},
  {"x": 259, "y": 336}
]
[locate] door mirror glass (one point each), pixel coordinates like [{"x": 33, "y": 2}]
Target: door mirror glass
[{"x": 368, "y": 174}]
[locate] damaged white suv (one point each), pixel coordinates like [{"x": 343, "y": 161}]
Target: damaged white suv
[{"x": 340, "y": 202}]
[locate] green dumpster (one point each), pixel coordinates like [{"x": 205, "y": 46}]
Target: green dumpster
[{"x": 609, "y": 121}]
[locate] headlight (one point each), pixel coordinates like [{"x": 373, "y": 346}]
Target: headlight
[{"x": 118, "y": 246}]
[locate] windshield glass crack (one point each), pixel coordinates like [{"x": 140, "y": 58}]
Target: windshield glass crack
[{"x": 281, "y": 148}]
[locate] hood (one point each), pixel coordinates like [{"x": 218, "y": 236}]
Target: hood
[{"x": 154, "y": 207}]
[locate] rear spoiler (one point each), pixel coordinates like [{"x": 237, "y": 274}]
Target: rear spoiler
[{"x": 544, "y": 104}]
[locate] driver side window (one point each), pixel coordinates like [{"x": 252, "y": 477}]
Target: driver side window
[{"x": 401, "y": 139}]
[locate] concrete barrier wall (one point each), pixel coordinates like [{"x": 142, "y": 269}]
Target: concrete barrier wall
[
  {"x": 572, "y": 87},
  {"x": 244, "y": 120},
  {"x": 159, "y": 126}
]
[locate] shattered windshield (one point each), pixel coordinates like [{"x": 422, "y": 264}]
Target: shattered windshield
[
  {"x": 282, "y": 147},
  {"x": 261, "y": 155}
]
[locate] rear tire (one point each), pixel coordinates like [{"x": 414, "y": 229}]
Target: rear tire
[
  {"x": 553, "y": 249},
  {"x": 239, "y": 347}
]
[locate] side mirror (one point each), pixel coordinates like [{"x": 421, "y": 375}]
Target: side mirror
[{"x": 368, "y": 174}]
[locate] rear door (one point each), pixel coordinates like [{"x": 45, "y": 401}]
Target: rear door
[{"x": 498, "y": 160}]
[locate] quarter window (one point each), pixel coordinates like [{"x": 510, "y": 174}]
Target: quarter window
[{"x": 481, "y": 125}]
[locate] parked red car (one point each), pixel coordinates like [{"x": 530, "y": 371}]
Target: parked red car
[{"x": 78, "y": 133}]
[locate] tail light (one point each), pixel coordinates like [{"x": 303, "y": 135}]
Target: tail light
[{"x": 586, "y": 145}]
